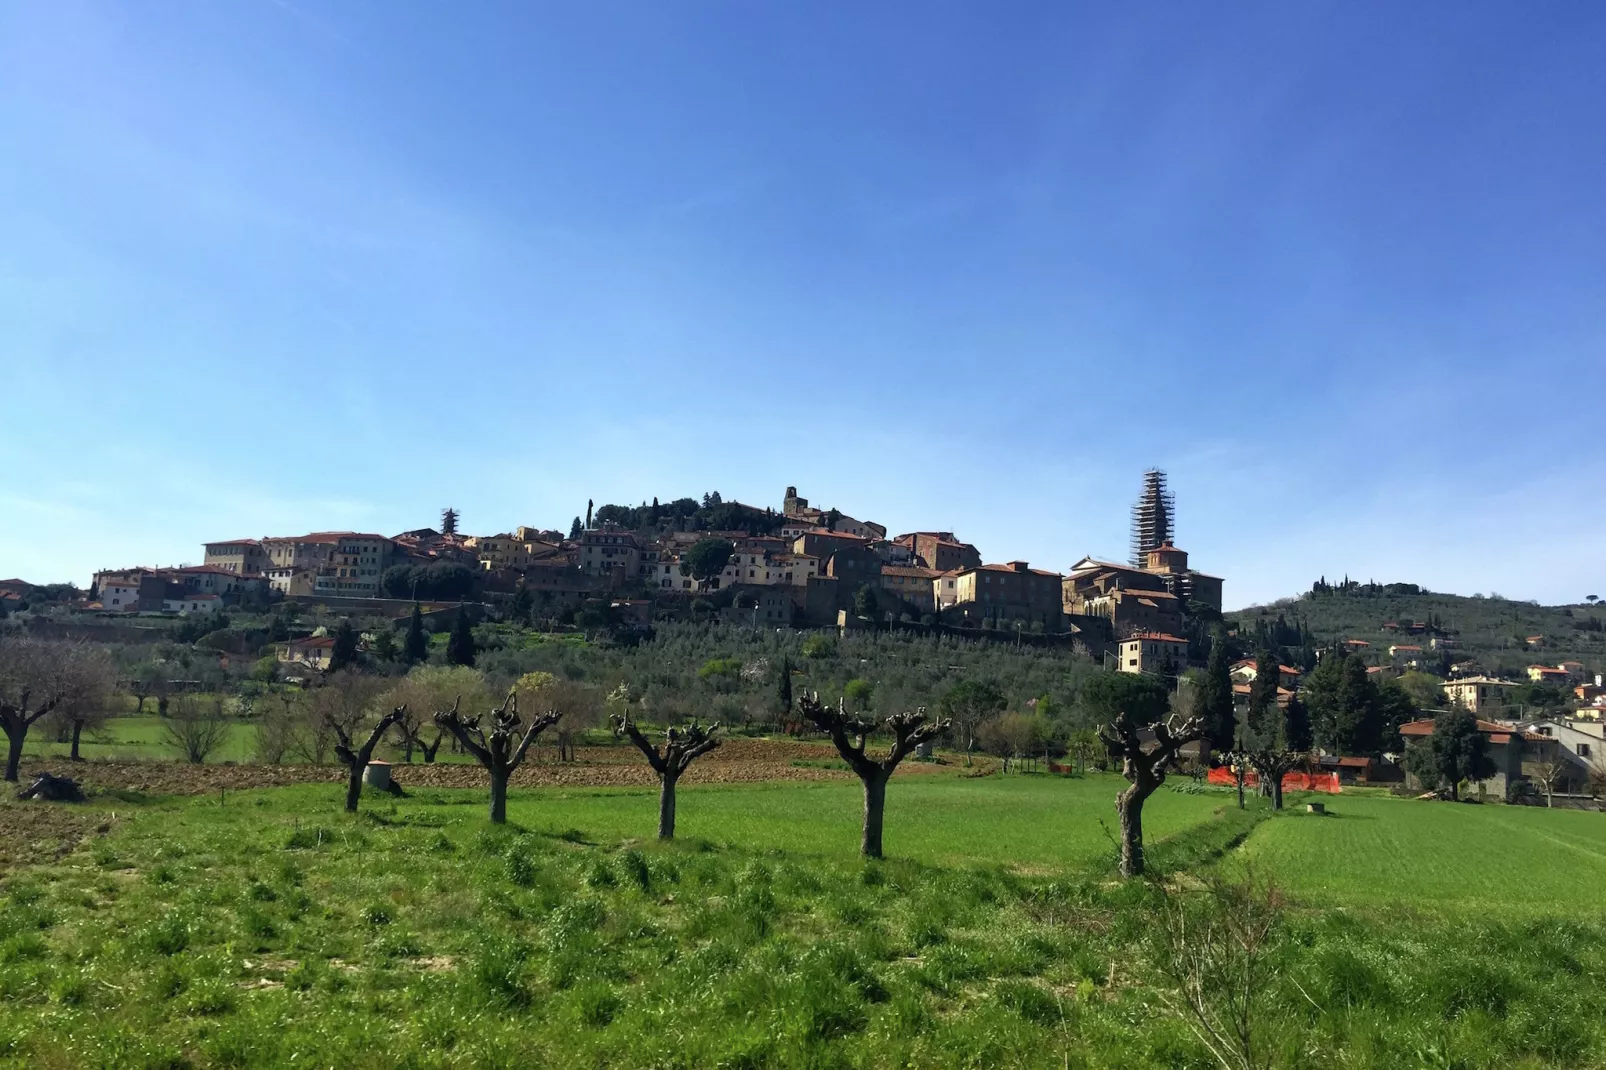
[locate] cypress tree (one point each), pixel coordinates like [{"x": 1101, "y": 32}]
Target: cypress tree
[
  {"x": 460, "y": 644},
  {"x": 344, "y": 652},
  {"x": 1263, "y": 693},
  {"x": 416, "y": 648},
  {"x": 1215, "y": 698},
  {"x": 784, "y": 687}
]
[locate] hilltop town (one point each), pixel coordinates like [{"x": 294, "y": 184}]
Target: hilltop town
[{"x": 798, "y": 565}]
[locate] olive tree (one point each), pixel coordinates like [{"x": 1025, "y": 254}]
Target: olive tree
[
  {"x": 35, "y": 677},
  {"x": 681, "y": 747},
  {"x": 90, "y": 679},
  {"x": 849, "y": 733}
]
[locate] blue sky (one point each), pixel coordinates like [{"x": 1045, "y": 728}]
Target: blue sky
[{"x": 277, "y": 265}]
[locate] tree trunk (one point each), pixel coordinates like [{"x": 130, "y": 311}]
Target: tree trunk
[
  {"x": 140, "y": 708},
  {"x": 498, "y": 798},
  {"x": 1455, "y": 790},
  {"x": 14, "y": 751},
  {"x": 666, "y": 807},
  {"x": 77, "y": 731},
  {"x": 354, "y": 787},
  {"x": 1129, "y": 805},
  {"x": 407, "y": 747},
  {"x": 875, "y": 812},
  {"x": 1277, "y": 791},
  {"x": 1240, "y": 778}
]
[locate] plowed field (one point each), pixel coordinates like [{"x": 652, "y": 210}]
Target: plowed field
[{"x": 738, "y": 761}]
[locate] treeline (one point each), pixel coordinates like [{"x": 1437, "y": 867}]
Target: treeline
[
  {"x": 713, "y": 513},
  {"x": 1369, "y": 589},
  {"x": 443, "y": 580}
]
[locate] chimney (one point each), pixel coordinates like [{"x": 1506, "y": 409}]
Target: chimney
[{"x": 1018, "y": 566}]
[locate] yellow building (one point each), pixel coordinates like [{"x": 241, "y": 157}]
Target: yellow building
[
  {"x": 1154, "y": 653},
  {"x": 1544, "y": 674},
  {"x": 1476, "y": 693}
]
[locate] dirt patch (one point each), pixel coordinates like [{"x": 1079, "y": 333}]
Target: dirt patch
[
  {"x": 33, "y": 833},
  {"x": 738, "y": 761}
]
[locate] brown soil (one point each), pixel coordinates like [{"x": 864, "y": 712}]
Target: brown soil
[
  {"x": 738, "y": 761},
  {"x": 39, "y": 832}
]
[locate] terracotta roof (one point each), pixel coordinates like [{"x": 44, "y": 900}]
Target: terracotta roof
[
  {"x": 1356, "y": 642},
  {"x": 1547, "y": 669},
  {"x": 1498, "y": 733},
  {"x": 910, "y": 571},
  {"x": 1159, "y": 636},
  {"x": 235, "y": 542},
  {"x": 1402, "y": 646}
]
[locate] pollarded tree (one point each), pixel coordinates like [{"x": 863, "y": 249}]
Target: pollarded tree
[
  {"x": 1269, "y": 741},
  {"x": 681, "y": 747},
  {"x": 1144, "y": 763},
  {"x": 356, "y": 761},
  {"x": 909, "y": 730},
  {"x": 500, "y": 751}
]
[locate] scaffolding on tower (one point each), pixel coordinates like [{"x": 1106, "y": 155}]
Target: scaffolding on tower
[{"x": 1152, "y": 517}]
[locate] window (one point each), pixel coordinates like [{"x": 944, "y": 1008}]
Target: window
[{"x": 1583, "y": 750}]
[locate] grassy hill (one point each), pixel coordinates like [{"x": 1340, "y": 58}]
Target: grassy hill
[{"x": 1487, "y": 629}]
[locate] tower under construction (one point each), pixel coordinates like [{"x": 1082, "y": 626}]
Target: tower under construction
[{"x": 1152, "y": 517}]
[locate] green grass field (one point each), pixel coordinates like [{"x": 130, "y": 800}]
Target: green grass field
[
  {"x": 270, "y": 929},
  {"x": 1383, "y": 851},
  {"x": 137, "y": 738}
]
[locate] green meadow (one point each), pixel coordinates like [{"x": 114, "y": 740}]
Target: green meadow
[{"x": 267, "y": 928}]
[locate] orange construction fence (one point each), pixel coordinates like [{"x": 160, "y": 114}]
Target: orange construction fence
[{"x": 1294, "y": 781}]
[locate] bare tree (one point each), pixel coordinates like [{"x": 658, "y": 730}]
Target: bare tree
[
  {"x": 1597, "y": 777},
  {"x": 681, "y": 747},
  {"x": 909, "y": 730},
  {"x": 502, "y": 750},
  {"x": 582, "y": 706},
  {"x": 1144, "y": 764},
  {"x": 333, "y": 711},
  {"x": 34, "y": 680},
  {"x": 356, "y": 761},
  {"x": 90, "y": 678},
  {"x": 431, "y": 687},
  {"x": 1550, "y": 771},
  {"x": 276, "y": 728},
  {"x": 196, "y": 726},
  {"x": 1239, "y": 763}
]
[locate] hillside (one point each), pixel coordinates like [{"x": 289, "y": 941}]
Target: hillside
[{"x": 1492, "y": 631}]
